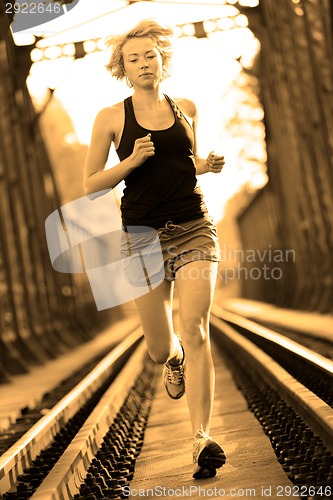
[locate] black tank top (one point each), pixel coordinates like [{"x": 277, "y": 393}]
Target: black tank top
[{"x": 164, "y": 187}]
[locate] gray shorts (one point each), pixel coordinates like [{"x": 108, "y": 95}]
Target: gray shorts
[{"x": 150, "y": 255}]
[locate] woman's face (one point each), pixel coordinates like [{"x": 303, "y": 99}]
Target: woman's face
[{"x": 142, "y": 62}]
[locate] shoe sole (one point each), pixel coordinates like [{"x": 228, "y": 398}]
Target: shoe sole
[{"x": 212, "y": 457}]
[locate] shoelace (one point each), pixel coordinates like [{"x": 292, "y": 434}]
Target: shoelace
[
  {"x": 175, "y": 374},
  {"x": 199, "y": 436}
]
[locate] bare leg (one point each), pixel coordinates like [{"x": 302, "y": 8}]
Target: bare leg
[
  {"x": 155, "y": 311},
  {"x": 195, "y": 284}
]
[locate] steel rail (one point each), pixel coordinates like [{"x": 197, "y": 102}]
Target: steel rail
[
  {"x": 21, "y": 455},
  {"x": 315, "y": 412},
  {"x": 317, "y": 360},
  {"x": 64, "y": 479}
]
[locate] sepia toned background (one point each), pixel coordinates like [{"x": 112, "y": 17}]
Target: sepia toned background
[{"x": 261, "y": 76}]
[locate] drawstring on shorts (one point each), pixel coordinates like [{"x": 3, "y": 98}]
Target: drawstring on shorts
[{"x": 170, "y": 226}]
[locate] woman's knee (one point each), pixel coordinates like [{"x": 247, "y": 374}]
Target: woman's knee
[
  {"x": 195, "y": 330},
  {"x": 193, "y": 319}
]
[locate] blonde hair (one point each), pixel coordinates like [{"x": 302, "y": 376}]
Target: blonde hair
[{"x": 147, "y": 28}]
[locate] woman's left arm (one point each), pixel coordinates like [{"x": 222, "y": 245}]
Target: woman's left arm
[{"x": 213, "y": 163}]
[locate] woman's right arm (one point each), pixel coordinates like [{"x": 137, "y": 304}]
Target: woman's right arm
[{"x": 95, "y": 177}]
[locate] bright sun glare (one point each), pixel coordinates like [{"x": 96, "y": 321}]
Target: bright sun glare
[{"x": 207, "y": 70}]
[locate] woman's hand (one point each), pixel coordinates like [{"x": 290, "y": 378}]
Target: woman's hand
[
  {"x": 214, "y": 163},
  {"x": 143, "y": 149}
]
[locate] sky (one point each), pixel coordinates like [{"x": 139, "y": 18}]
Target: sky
[{"x": 204, "y": 70}]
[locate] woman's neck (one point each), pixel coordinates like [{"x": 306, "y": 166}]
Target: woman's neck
[{"x": 147, "y": 98}]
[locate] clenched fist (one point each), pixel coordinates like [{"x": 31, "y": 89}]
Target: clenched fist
[
  {"x": 143, "y": 149},
  {"x": 214, "y": 163}
]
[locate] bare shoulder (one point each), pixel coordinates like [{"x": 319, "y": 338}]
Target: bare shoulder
[
  {"x": 111, "y": 117},
  {"x": 109, "y": 122},
  {"x": 187, "y": 106}
]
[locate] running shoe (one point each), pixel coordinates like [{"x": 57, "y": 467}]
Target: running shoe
[
  {"x": 207, "y": 456},
  {"x": 174, "y": 378}
]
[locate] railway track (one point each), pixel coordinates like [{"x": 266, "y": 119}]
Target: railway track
[
  {"x": 71, "y": 432},
  {"x": 85, "y": 447},
  {"x": 289, "y": 389}
]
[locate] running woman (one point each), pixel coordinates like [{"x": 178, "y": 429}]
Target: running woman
[{"x": 154, "y": 138}]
